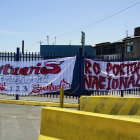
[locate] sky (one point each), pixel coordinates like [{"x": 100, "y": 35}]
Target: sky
[{"x": 34, "y": 20}]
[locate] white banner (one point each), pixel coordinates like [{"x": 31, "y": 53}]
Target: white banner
[
  {"x": 104, "y": 76},
  {"x": 36, "y": 77}
]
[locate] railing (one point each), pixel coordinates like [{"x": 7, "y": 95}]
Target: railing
[
  {"x": 6, "y": 56},
  {"x": 77, "y": 84},
  {"x": 129, "y": 92}
]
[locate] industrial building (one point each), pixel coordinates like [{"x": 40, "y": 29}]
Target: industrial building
[
  {"x": 130, "y": 46},
  {"x": 65, "y": 50}
]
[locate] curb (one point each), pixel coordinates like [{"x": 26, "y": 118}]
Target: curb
[{"x": 35, "y": 103}]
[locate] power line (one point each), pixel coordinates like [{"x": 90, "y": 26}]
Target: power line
[{"x": 101, "y": 20}]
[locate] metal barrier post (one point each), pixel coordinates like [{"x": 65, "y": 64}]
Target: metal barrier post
[
  {"x": 81, "y": 74},
  {"x": 80, "y": 70},
  {"x": 61, "y": 97},
  {"x": 122, "y": 92},
  {"x": 17, "y": 59}
]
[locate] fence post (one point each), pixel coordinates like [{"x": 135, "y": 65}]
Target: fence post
[
  {"x": 61, "y": 97},
  {"x": 81, "y": 73},
  {"x": 122, "y": 92},
  {"x": 17, "y": 59}
]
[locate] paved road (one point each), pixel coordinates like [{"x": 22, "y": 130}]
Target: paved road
[{"x": 19, "y": 122}]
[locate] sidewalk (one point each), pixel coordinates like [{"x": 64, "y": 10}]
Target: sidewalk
[{"x": 41, "y": 99}]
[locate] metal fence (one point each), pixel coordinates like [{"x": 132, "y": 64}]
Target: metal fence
[
  {"x": 78, "y": 80},
  {"x": 6, "y": 56},
  {"x": 12, "y": 56},
  {"x": 130, "y": 92}
]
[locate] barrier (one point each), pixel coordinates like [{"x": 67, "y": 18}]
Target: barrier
[
  {"x": 37, "y": 103},
  {"x": 41, "y": 137},
  {"x": 111, "y": 105},
  {"x": 79, "y": 125}
]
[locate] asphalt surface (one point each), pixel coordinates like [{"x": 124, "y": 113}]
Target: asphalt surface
[
  {"x": 22, "y": 122},
  {"x": 19, "y": 122}
]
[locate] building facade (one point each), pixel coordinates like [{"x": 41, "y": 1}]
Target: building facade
[
  {"x": 109, "y": 50},
  {"x": 129, "y": 46},
  {"x": 132, "y": 45}
]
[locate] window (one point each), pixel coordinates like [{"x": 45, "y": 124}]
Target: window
[
  {"x": 105, "y": 50},
  {"x": 129, "y": 46},
  {"x": 112, "y": 50},
  {"x": 98, "y": 51},
  {"x": 120, "y": 48}
]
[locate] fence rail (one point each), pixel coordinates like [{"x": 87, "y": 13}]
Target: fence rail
[
  {"x": 6, "y": 56},
  {"x": 77, "y": 84}
]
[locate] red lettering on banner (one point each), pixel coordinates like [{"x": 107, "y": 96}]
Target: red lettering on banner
[
  {"x": 122, "y": 65},
  {"x": 137, "y": 81},
  {"x": 54, "y": 69},
  {"x": 116, "y": 69},
  {"x": 131, "y": 81},
  {"x": 23, "y": 71},
  {"x": 38, "y": 64},
  {"x": 37, "y": 69},
  {"x": 95, "y": 82},
  {"x": 127, "y": 65},
  {"x": 16, "y": 71},
  {"x": 138, "y": 68},
  {"x": 101, "y": 81},
  {"x": 32, "y": 69},
  {"x": 12, "y": 70},
  {"x": 2, "y": 86},
  {"x": 96, "y": 68},
  {"x": 87, "y": 67},
  {"x": 91, "y": 82},
  {"x": 123, "y": 82},
  {"x": 133, "y": 68},
  {"x": 115, "y": 83},
  {"x": 87, "y": 81},
  {"x": 43, "y": 70},
  {"x": 109, "y": 68},
  {"x": 5, "y": 71},
  {"x": 51, "y": 87},
  {"x": 109, "y": 81}
]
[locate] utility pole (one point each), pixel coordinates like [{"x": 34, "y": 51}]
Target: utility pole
[
  {"x": 23, "y": 46},
  {"x": 40, "y": 42},
  {"x": 83, "y": 42},
  {"x": 127, "y": 33},
  {"x": 55, "y": 40},
  {"x": 47, "y": 40}
]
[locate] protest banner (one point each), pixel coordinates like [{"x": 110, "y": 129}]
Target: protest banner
[
  {"x": 110, "y": 76},
  {"x": 36, "y": 77}
]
